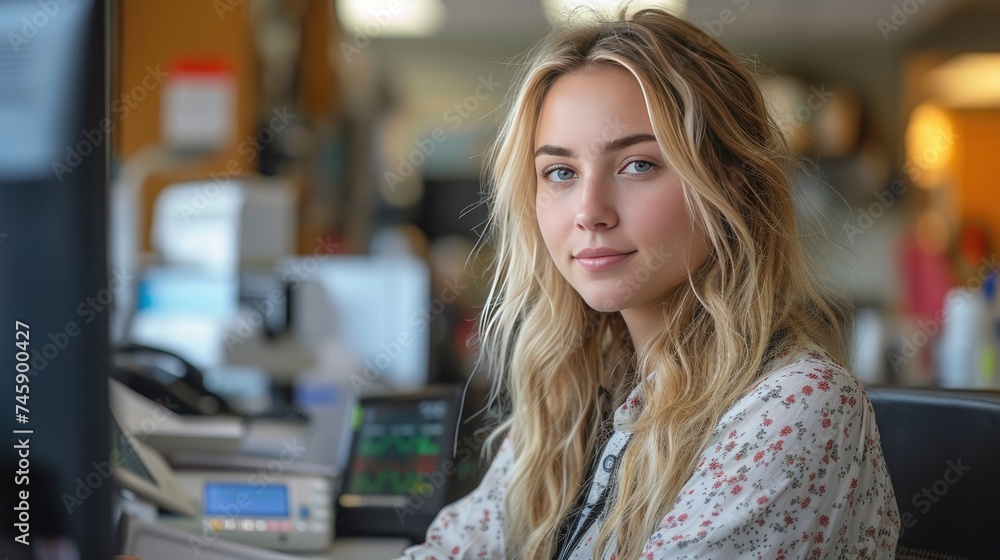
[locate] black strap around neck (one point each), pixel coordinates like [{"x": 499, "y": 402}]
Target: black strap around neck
[{"x": 567, "y": 536}]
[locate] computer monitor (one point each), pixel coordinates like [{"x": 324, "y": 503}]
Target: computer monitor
[
  {"x": 184, "y": 309},
  {"x": 452, "y": 207},
  {"x": 410, "y": 456},
  {"x": 380, "y": 306},
  {"x": 55, "y": 289}
]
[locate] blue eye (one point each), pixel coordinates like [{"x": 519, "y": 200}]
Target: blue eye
[
  {"x": 559, "y": 174},
  {"x": 639, "y": 166}
]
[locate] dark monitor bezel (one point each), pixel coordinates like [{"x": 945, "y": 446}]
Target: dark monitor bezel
[{"x": 410, "y": 515}]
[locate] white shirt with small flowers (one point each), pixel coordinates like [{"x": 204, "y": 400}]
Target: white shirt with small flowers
[{"x": 794, "y": 470}]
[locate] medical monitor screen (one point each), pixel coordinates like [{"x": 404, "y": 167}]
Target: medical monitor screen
[
  {"x": 411, "y": 454},
  {"x": 397, "y": 447}
]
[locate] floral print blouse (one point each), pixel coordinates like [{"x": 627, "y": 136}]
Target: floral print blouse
[{"x": 794, "y": 470}]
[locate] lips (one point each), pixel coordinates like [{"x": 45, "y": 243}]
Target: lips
[{"x": 595, "y": 259}]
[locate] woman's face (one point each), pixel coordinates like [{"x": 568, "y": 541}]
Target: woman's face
[{"x": 611, "y": 212}]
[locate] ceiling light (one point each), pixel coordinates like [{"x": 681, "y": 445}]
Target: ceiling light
[
  {"x": 391, "y": 18},
  {"x": 968, "y": 81},
  {"x": 929, "y": 141},
  {"x": 558, "y": 10}
]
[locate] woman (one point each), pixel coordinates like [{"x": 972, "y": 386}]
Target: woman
[{"x": 648, "y": 264}]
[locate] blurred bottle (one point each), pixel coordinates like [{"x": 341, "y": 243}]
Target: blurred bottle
[{"x": 965, "y": 356}]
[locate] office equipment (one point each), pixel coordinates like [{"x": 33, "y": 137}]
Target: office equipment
[
  {"x": 265, "y": 503},
  {"x": 451, "y": 207},
  {"x": 225, "y": 225},
  {"x": 211, "y": 297},
  {"x": 353, "y": 325},
  {"x": 165, "y": 377},
  {"x": 169, "y": 432},
  {"x": 941, "y": 452},
  {"x": 380, "y": 306},
  {"x": 402, "y": 469},
  {"x": 53, "y": 213},
  {"x": 155, "y": 541},
  {"x": 213, "y": 237},
  {"x": 183, "y": 309},
  {"x": 329, "y": 401},
  {"x": 142, "y": 470},
  {"x": 206, "y": 233},
  {"x": 275, "y": 503}
]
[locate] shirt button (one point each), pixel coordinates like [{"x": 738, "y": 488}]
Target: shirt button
[{"x": 609, "y": 463}]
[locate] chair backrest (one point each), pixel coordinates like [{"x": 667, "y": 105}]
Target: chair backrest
[{"x": 942, "y": 448}]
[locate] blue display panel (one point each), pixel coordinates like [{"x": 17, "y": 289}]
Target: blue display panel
[{"x": 246, "y": 500}]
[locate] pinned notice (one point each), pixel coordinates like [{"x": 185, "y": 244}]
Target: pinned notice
[{"x": 198, "y": 110}]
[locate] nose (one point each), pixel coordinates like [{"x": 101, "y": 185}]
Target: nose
[{"x": 596, "y": 209}]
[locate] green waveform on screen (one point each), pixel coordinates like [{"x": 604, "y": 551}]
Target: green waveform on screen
[
  {"x": 375, "y": 483},
  {"x": 418, "y": 445}
]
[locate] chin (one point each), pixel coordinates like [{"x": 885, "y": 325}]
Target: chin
[{"x": 604, "y": 304}]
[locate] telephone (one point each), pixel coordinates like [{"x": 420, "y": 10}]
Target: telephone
[
  {"x": 288, "y": 511},
  {"x": 165, "y": 377}
]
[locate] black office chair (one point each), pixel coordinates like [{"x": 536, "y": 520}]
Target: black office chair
[{"x": 942, "y": 448}]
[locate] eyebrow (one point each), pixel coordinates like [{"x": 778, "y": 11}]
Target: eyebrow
[{"x": 609, "y": 146}]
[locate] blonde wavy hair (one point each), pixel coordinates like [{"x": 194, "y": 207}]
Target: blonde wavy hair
[{"x": 755, "y": 295}]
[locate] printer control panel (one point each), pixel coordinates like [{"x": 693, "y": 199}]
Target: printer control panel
[{"x": 280, "y": 512}]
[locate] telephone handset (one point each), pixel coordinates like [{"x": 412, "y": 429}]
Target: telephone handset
[{"x": 165, "y": 377}]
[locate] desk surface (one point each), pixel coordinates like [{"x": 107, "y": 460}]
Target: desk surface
[
  {"x": 358, "y": 548},
  {"x": 157, "y": 541}
]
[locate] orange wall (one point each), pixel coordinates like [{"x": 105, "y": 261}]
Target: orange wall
[
  {"x": 977, "y": 169},
  {"x": 157, "y": 34}
]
